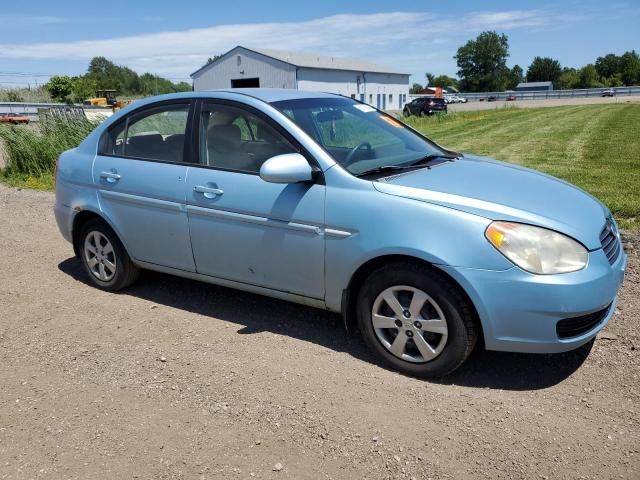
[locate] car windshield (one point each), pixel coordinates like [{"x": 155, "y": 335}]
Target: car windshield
[{"x": 359, "y": 137}]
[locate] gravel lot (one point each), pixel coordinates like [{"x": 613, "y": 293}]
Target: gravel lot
[{"x": 178, "y": 379}]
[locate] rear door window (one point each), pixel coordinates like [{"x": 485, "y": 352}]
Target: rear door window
[{"x": 158, "y": 133}]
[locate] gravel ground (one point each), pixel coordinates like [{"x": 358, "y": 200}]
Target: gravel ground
[{"x": 179, "y": 379}]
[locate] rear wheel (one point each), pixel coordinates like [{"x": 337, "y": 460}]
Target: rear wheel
[
  {"x": 406, "y": 112},
  {"x": 105, "y": 258},
  {"x": 416, "y": 320}
]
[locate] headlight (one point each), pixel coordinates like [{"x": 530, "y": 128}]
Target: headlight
[{"x": 535, "y": 249}]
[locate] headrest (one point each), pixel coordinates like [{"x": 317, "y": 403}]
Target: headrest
[{"x": 224, "y": 133}]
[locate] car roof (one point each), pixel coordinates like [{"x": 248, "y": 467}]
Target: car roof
[
  {"x": 265, "y": 94},
  {"x": 274, "y": 94}
]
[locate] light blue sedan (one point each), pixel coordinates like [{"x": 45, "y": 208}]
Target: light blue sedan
[{"x": 325, "y": 201}]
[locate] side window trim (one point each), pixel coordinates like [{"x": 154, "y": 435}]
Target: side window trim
[
  {"x": 188, "y": 155},
  {"x": 197, "y": 136}
]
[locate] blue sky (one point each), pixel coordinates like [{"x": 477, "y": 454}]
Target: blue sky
[{"x": 42, "y": 37}]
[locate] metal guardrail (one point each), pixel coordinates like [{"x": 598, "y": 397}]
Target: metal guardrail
[
  {"x": 543, "y": 95},
  {"x": 33, "y": 109}
]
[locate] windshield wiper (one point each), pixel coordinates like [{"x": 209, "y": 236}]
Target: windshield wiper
[
  {"x": 419, "y": 163},
  {"x": 431, "y": 157},
  {"x": 388, "y": 169}
]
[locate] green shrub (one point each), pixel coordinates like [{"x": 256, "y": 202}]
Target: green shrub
[{"x": 32, "y": 150}]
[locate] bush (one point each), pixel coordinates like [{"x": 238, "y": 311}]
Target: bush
[{"x": 32, "y": 150}]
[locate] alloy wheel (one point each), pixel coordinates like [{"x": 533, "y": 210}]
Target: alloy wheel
[
  {"x": 409, "y": 323},
  {"x": 100, "y": 256}
]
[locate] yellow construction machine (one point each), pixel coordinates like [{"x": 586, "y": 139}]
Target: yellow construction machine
[{"x": 106, "y": 98}]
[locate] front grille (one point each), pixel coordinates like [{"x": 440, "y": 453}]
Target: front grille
[
  {"x": 609, "y": 240},
  {"x": 576, "y": 326}
]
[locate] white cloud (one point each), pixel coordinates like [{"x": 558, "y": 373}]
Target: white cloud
[{"x": 404, "y": 40}]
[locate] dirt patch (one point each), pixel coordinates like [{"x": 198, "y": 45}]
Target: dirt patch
[{"x": 179, "y": 379}]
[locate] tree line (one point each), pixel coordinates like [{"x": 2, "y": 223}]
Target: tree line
[
  {"x": 482, "y": 67},
  {"x": 104, "y": 74}
]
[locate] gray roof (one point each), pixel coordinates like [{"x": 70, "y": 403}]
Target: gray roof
[
  {"x": 311, "y": 60},
  {"x": 534, "y": 84}
]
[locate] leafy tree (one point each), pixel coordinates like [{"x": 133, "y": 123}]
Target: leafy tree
[
  {"x": 613, "y": 81},
  {"x": 429, "y": 76},
  {"x": 415, "y": 88},
  {"x": 83, "y": 88},
  {"x": 183, "y": 87},
  {"x": 482, "y": 63},
  {"x": 443, "y": 81},
  {"x": 516, "y": 75},
  {"x": 60, "y": 87},
  {"x": 568, "y": 79},
  {"x": 544, "y": 69},
  {"x": 106, "y": 74},
  {"x": 588, "y": 77},
  {"x": 630, "y": 68},
  {"x": 609, "y": 65}
]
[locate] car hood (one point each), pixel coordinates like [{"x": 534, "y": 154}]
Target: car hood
[{"x": 502, "y": 191}]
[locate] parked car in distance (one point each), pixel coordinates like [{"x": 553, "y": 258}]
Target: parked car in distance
[
  {"x": 492, "y": 98},
  {"x": 322, "y": 200},
  {"x": 13, "y": 118},
  {"x": 511, "y": 98},
  {"x": 609, "y": 93},
  {"x": 425, "y": 106},
  {"x": 454, "y": 98}
]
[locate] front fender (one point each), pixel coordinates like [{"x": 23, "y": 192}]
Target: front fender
[{"x": 380, "y": 225}]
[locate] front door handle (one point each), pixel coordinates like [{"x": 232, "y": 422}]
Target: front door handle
[
  {"x": 110, "y": 176},
  {"x": 208, "y": 192}
]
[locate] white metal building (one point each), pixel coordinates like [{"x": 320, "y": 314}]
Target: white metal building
[{"x": 243, "y": 67}]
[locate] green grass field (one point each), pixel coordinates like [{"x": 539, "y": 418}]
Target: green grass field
[{"x": 596, "y": 147}]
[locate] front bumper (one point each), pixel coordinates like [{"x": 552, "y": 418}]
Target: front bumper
[{"x": 519, "y": 311}]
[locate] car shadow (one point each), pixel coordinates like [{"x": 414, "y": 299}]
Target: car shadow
[{"x": 256, "y": 313}]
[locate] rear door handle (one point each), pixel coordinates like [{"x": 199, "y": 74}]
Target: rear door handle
[
  {"x": 110, "y": 176},
  {"x": 208, "y": 192}
]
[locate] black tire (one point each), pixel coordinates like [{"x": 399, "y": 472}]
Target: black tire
[
  {"x": 459, "y": 314},
  {"x": 406, "y": 112},
  {"x": 126, "y": 272}
]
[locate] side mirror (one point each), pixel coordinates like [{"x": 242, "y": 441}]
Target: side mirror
[{"x": 287, "y": 168}]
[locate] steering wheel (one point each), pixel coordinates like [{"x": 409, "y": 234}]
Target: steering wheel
[{"x": 351, "y": 156}]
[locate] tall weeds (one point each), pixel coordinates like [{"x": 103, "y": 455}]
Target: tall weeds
[{"x": 32, "y": 150}]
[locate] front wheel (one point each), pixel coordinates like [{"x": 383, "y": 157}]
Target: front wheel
[
  {"x": 416, "y": 320},
  {"x": 406, "y": 112},
  {"x": 105, "y": 258}
]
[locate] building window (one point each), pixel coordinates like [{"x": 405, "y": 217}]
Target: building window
[
  {"x": 353, "y": 95},
  {"x": 239, "y": 59},
  {"x": 390, "y": 98},
  {"x": 371, "y": 98}
]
